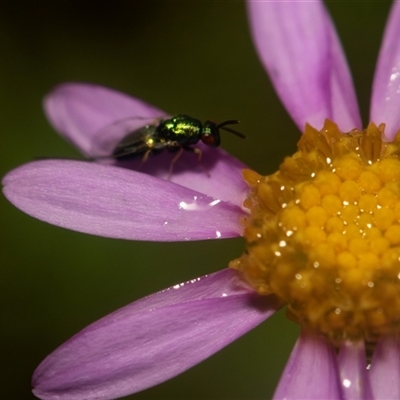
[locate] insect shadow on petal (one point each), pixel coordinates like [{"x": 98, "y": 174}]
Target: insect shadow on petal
[{"x": 134, "y": 137}]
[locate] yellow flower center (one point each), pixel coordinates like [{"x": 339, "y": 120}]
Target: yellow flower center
[{"x": 323, "y": 233}]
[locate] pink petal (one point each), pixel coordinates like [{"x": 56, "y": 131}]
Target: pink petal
[
  {"x": 115, "y": 202},
  {"x": 385, "y": 369},
  {"x": 80, "y": 111},
  {"x": 385, "y": 100},
  {"x": 298, "y": 45},
  {"x": 311, "y": 372},
  {"x": 219, "y": 175},
  {"x": 153, "y": 339},
  {"x": 353, "y": 371}
]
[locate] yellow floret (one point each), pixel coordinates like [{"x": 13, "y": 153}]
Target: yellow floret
[
  {"x": 368, "y": 260},
  {"x": 349, "y": 191},
  {"x": 392, "y": 234},
  {"x": 332, "y": 204},
  {"x": 379, "y": 245},
  {"x": 316, "y": 216},
  {"x": 334, "y": 224},
  {"x": 352, "y": 231},
  {"x": 327, "y": 182},
  {"x": 387, "y": 198},
  {"x": 346, "y": 260},
  {"x": 348, "y": 167},
  {"x": 349, "y": 213},
  {"x": 369, "y": 182},
  {"x": 358, "y": 246},
  {"x": 368, "y": 203},
  {"x": 310, "y": 196},
  {"x": 365, "y": 221},
  {"x": 293, "y": 218},
  {"x": 389, "y": 170},
  {"x": 338, "y": 241},
  {"x": 383, "y": 218},
  {"x": 314, "y": 235}
]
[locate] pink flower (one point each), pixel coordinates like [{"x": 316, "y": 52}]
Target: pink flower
[{"x": 160, "y": 336}]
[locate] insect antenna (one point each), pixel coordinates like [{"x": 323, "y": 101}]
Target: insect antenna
[{"x": 222, "y": 126}]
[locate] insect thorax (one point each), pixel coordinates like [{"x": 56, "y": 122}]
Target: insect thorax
[{"x": 182, "y": 129}]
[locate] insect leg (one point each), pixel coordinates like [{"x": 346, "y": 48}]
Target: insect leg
[
  {"x": 144, "y": 158},
  {"x": 199, "y": 153},
  {"x": 173, "y": 161}
]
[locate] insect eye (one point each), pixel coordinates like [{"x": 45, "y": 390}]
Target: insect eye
[
  {"x": 208, "y": 139},
  {"x": 210, "y": 134}
]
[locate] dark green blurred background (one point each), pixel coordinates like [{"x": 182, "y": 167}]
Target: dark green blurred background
[{"x": 193, "y": 57}]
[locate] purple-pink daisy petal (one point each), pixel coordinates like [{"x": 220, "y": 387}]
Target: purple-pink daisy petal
[
  {"x": 354, "y": 376},
  {"x": 385, "y": 369},
  {"x": 298, "y": 46},
  {"x": 311, "y": 372},
  {"x": 218, "y": 174},
  {"x": 153, "y": 339},
  {"x": 385, "y": 100},
  {"x": 115, "y": 202}
]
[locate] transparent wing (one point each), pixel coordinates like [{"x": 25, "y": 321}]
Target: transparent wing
[
  {"x": 135, "y": 142},
  {"x": 123, "y": 133}
]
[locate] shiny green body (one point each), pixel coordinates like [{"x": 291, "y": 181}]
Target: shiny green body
[{"x": 180, "y": 131}]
